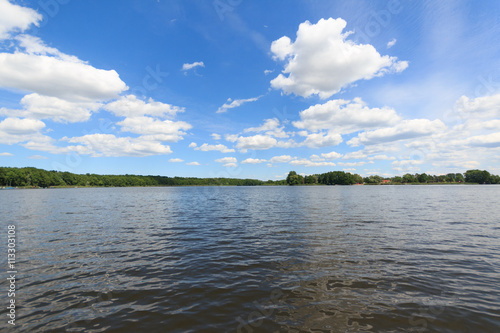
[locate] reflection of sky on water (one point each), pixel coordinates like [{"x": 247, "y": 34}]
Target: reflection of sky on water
[{"x": 356, "y": 258}]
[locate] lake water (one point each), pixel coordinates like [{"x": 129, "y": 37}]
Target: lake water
[{"x": 255, "y": 259}]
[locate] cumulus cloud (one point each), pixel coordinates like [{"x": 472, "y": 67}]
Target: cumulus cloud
[
  {"x": 322, "y": 60},
  {"x": 355, "y": 155},
  {"x": 307, "y": 163},
  {"x": 354, "y": 164},
  {"x": 206, "y": 147},
  {"x": 44, "y": 107},
  {"x": 16, "y": 130},
  {"x": 34, "y": 45},
  {"x": 193, "y": 163},
  {"x": 186, "y": 67},
  {"x": 131, "y": 106},
  {"x": 6, "y": 154},
  {"x": 406, "y": 129},
  {"x": 270, "y": 127},
  {"x": 176, "y": 160},
  {"x": 253, "y": 161},
  {"x": 381, "y": 158},
  {"x": 14, "y": 18},
  {"x": 215, "y": 136},
  {"x": 391, "y": 43},
  {"x": 50, "y": 76},
  {"x": 20, "y": 126},
  {"x": 257, "y": 142},
  {"x": 227, "y": 161},
  {"x": 37, "y": 157},
  {"x": 331, "y": 156},
  {"x": 281, "y": 159},
  {"x": 230, "y": 104},
  {"x": 316, "y": 158},
  {"x": 407, "y": 165},
  {"x": 98, "y": 145},
  {"x": 480, "y": 107},
  {"x": 317, "y": 140},
  {"x": 489, "y": 140},
  {"x": 345, "y": 116},
  {"x": 164, "y": 130}
]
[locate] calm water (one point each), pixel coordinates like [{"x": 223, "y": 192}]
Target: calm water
[{"x": 256, "y": 259}]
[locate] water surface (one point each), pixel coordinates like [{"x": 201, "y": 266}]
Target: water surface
[{"x": 257, "y": 259}]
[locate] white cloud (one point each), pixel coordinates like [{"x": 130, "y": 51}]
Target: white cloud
[
  {"x": 270, "y": 127},
  {"x": 407, "y": 166},
  {"x": 50, "y": 76},
  {"x": 215, "y": 136},
  {"x": 354, "y": 164},
  {"x": 406, "y": 129},
  {"x": 37, "y": 157},
  {"x": 316, "y": 158},
  {"x": 231, "y": 137},
  {"x": 44, "y": 107},
  {"x": 14, "y": 18},
  {"x": 490, "y": 140},
  {"x": 322, "y": 61},
  {"x": 193, "y": 163},
  {"x": 477, "y": 125},
  {"x": 253, "y": 161},
  {"x": 230, "y": 104},
  {"x": 16, "y": 130},
  {"x": 257, "y": 142},
  {"x": 167, "y": 130},
  {"x": 307, "y": 163},
  {"x": 6, "y": 154},
  {"x": 227, "y": 161},
  {"x": 186, "y": 67},
  {"x": 34, "y": 45},
  {"x": 176, "y": 160},
  {"x": 331, "y": 156},
  {"x": 355, "y": 155},
  {"x": 281, "y": 159},
  {"x": 480, "y": 107},
  {"x": 207, "y": 147},
  {"x": 344, "y": 116},
  {"x": 317, "y": 140},
  {"x": 21, "y": 126},
  {"x": 391, "y": 43},
  {"x": 131, "y": 106},
  {"x": 406, "y": 162},
  {"x": 381, "y": 158},
  {"x": 44, "y": 143},
  {"x": 98, "y": 145}
]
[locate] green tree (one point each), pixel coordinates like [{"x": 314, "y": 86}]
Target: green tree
[
  {"x": 409, "y": 178},
  {"x": 423, "y": 178},
  {"x": 478, "y": 176},
  {"x": 294, "y": 179},
  {"x": 311, "y": 179}
]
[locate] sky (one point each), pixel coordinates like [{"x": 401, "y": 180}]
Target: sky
[{"x": 250, "y": 89}]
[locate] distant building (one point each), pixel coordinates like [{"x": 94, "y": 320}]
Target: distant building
[{"x": 385, "y": 181}]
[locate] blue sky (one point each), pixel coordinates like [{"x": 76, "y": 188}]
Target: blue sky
[{"x": 250, "y": 89}]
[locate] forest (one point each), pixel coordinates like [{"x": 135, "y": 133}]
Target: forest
[
  {"x": 346, "y": 178},
  {"x": 33, "y": 178}
]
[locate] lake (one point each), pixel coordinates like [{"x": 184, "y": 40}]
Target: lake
[{"x": 255, "y": 259}]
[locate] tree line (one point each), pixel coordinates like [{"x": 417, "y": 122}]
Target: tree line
[
  {"x": 346, "y": 178},
  {"x": 33, "y": 177}
]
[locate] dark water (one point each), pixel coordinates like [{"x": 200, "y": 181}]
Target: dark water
[{"x": 255, "y": 259}]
